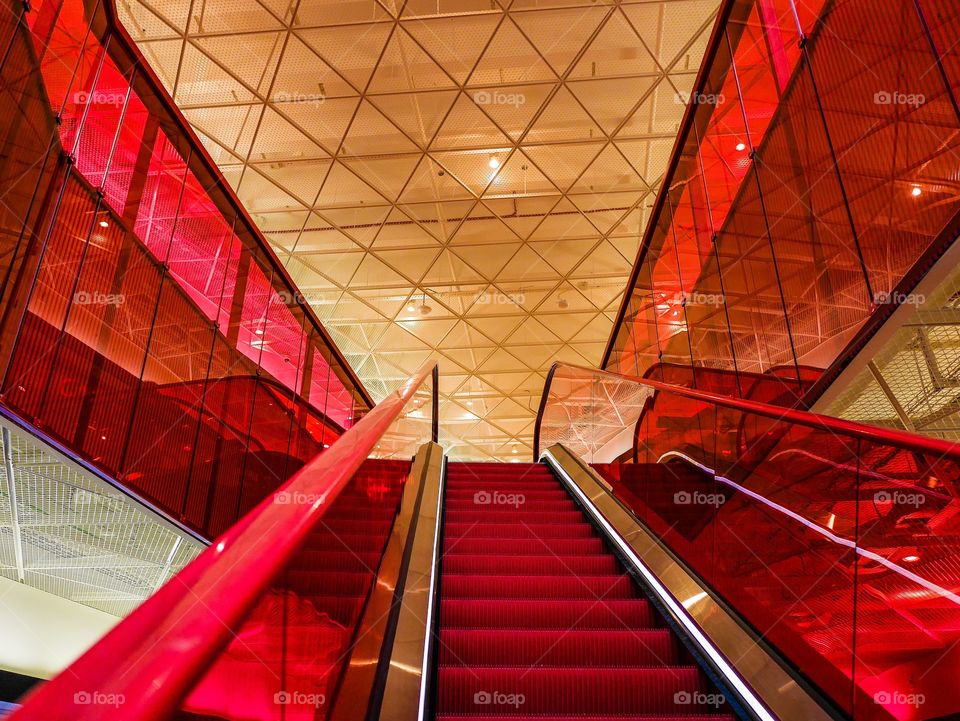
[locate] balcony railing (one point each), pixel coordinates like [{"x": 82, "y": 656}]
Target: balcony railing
[{"x": 261, "y": 624}]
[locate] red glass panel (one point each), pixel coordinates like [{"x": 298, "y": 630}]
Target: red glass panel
[{"x": 160, "y": 341}]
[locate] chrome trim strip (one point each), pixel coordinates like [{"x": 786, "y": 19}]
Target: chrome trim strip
[
  {"x": 361, "y": 690},
  {"x": 764, "y": 687},
  {"x": 428, "y": 642}
]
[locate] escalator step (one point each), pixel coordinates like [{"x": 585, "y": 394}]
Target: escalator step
[
  {"x": 618, "y": 614},
  {"x": 527, "y": 587},
  {"x": 478, "y": 647},
  {"x": 518, "y": 516},
  {"x": 542, "y": 565},
  {"x": 562, "y": 690},
  {"x": 498, "y": 547},
  {"x": 472, "y": 529}
]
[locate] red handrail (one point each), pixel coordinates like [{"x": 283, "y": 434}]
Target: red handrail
[
  {"x": 145, "y": 667},
  {"x": 874, "y": 434}
]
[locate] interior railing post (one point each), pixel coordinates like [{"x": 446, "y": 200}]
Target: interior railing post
[{"x": 435, "y": 400}]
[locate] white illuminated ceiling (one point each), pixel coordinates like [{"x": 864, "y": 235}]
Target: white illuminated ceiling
[{"x": 492, "y": 161}]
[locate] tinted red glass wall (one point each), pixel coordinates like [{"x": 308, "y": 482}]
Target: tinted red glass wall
[
  {"x": 143, "y": 323},
  {"x": 815, "y": 168}
]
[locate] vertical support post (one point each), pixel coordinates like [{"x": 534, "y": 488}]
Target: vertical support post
[
  {"x": 435, "y": 400},
  {"x": 14, "y": 510}
]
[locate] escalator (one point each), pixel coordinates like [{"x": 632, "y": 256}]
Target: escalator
[{"x": 539, "y": 619}]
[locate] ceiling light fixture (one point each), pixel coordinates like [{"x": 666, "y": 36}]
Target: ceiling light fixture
[
  {"x": 916, "y": 192},
  {"x": 494, "y": 162},
  {"x": 741, "y": 147},
  {"x": 424, "y": 308},
  {"x": 104, "y": 224},
  {"x": 563, "y": 303},
  {"x": 911, "y": 559}
]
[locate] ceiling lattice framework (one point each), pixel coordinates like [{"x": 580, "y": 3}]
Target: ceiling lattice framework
[{"x": 458, "y": 179}]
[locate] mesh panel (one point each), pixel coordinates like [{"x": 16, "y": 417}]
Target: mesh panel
[{"x": 80, "y": 539}]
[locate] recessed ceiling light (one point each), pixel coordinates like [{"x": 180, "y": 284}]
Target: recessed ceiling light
[
  {"x": 916, "y": 192},
  {"x": 104, "y": 224},
  {"x": 469, "y": 403},
  {"x": 911, "y": 559},
  {"x": 741, "y": 147},
  {"x": 411, "y": 308},
  {"x": 514, "y": 451},
  {"x": 494, "y": 162}
]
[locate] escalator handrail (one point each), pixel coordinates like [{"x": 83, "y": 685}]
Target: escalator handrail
[
  {"x": 144, "y": 668},
  {"x": 912, "y": 442}
]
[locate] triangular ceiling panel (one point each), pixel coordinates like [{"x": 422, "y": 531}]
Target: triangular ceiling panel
[
  {"x": 609, "y": 101},
  {"x": 467, "y": 126},
  {"x": 418, "y": 115},
  {"x": 560, "y": 35},
  {"x": 563, "y": 119},
  {"x": 347, "y": 52},
  {"x": 372, "y": 133},
  {"x": 512, "y": 107},
  {"x": 406, "y": 66},
  {"x": 510, "y": 58},
  {"x": 455, "y": 42}
]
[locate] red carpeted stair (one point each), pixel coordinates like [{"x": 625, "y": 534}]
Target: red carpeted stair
[{"x": 539, "y": 620}]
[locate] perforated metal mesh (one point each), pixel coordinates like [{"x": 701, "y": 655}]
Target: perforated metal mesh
[
  {"x": 79, "y": 538},
  {"x": 913, "y": 382}
]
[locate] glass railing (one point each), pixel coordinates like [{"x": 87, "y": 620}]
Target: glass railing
[
  {"x": 837, "y": 542},
  {"x": 261, "y": 624},
  {"x": 145, "y": 324}
]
